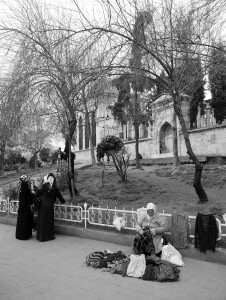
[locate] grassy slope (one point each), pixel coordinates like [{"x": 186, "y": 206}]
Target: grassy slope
[{"x": 169, "y": 190}]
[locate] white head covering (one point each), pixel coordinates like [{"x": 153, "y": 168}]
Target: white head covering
[
  {"x": 45, "y": 180},
  {"x": 48, "y": 179},
  {"x": 152, "y": 206},
  {"x": 25, "y": 178}
]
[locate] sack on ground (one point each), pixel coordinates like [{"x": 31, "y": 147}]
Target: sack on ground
[
  {"x": 170, "y": 254},
  {"x": 119, "y": 223}
]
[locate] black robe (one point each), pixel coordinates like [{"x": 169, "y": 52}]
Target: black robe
[
  {"x": 206, "y": 232},
  {"x": 24, "y": 218},
  {"x": 45, "y": 224}
]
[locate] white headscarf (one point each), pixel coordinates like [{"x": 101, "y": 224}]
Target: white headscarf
[
  {"x": 45, "y": 180},
  {"x": 152, "y": 206},
  {"x": 48, "y": 179}
]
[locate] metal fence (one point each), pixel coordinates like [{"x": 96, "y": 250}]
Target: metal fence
[{"x": 98, "y": 216}]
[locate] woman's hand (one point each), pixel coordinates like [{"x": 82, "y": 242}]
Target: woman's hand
[
  {"x": 140, "y": 231},
  {"x": 153, "y": 231}
]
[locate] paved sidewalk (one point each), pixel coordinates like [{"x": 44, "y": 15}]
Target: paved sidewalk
[{"x": 56, "y": 270}]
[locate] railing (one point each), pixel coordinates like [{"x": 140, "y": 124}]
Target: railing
[{"x": 98, "y": 216}]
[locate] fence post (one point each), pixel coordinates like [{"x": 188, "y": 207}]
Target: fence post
[
  {"x": 8, "y": 206},
  {"x": 85, "y": 213}
]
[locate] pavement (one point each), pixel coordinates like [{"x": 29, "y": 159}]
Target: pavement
[{"x": 55, "y": 270}]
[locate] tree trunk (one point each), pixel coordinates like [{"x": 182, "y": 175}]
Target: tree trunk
[
  {"x": 35, "y": 160},
  {"x": 176, "y": 160},
  {"x": 72, "y": 123},
  {"x": 2, "y": 159},
  {"x": 94, "y": 164},
  {"x": 73, "y": 191},
  {"x": 136, "y": 128},
  {"x": 197, "y": 183},
  {"x": 103, "y": 173},
  {"x": 198, "y": 166}
]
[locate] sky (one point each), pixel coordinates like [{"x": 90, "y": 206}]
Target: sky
[{"x": 89, "y": 6}]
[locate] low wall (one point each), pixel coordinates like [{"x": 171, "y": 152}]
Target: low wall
[
  {"x": 126, "y": 239},
  {"x": 208, "y": 141}
]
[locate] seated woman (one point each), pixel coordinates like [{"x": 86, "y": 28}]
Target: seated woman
[{"x": 150, "y": 228}]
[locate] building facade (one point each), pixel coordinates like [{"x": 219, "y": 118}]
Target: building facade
[{"x": 155, "y": 136}]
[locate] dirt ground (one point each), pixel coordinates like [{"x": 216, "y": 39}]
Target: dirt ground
[{"x": 168, "y": 189}]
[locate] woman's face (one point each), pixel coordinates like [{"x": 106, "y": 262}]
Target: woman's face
[
  {"x": 27, "y": 180},
  {"x": 150, "y": 212}
]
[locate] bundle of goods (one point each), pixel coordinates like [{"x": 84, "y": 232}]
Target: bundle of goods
[
  {"x": 145, "y": 267},
  {"x": 107, "y": 261}
]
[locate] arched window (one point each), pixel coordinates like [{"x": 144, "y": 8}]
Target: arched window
[
  {"x": 80, "y": 133},
  {"x": 166, "y": 138}
]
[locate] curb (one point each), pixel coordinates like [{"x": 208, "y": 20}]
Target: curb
[{"x": 126, "y": 239}]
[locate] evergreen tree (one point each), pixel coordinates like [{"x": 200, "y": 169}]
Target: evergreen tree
[
  {"x": 194, "y": 87},
  {"x": 159, "y": 88},
  {"x": 129, "y": 104},
  {"x": 217, "y": 80}
]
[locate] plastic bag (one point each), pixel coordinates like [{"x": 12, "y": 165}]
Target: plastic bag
[
  {"x": 119, "y": 223},
  {"x": 224, "y": 217},
  {"x": 170, "y": 254}
]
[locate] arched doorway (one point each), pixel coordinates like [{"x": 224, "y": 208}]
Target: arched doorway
[{"x": 166, "y": 138}]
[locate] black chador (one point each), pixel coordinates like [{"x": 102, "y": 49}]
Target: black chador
[{"x": 206, "y": 232}]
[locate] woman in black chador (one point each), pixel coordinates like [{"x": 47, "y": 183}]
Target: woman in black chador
[
  {"x": 47, "y": 195},
  {"x": 24, "y": 218}
]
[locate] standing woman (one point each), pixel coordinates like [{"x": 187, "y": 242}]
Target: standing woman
[
  {"x": 47, "y": 194},
  {"x": 24, "y": 218}
]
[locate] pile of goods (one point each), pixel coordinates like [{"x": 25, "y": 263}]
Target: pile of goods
[{"x": 145, "y": 267}]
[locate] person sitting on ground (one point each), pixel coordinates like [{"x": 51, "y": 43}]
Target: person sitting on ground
[{"x": 150, "y": 227}]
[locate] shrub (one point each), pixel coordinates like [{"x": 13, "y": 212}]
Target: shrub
[
  {"x": 11, "y": 192},
  {"x": 108, "y": 144},
  {"x": 54, "y": 156},
  {"x": 14, "y": 157},
  {"x": 44, "y": 154},
  {"x": 62, "y": 181}
]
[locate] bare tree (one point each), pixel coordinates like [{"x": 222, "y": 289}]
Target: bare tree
[
  {"x": 175, "y": 33},
  {"x": 35, "y": 132},
  {"x": 57, "y": 61},
  {"x": 13, "y": 95}
]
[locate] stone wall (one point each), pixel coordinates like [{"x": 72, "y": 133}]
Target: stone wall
[
  {"x": 206, "y": 141},
  {"x": 209, "y": 141}
]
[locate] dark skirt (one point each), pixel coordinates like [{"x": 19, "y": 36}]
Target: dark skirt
[
  {"x": 45, "y": 224},
  {"x": 24, "y": 223}
]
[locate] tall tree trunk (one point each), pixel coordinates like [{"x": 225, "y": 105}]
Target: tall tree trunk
[
  {"x": 198, "y": 166},
  {"x": 71, "y": 174},
  {"x": 93, "y": 159},
  {"x": 176, "y": 160},
  {"x": 72, "y": 126},
  {"x": 136, "y": 129},
  {"x": 35, "y": 160},
  {"x": 94, "y": 164},
  {"x": 2, "y": 158}
]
